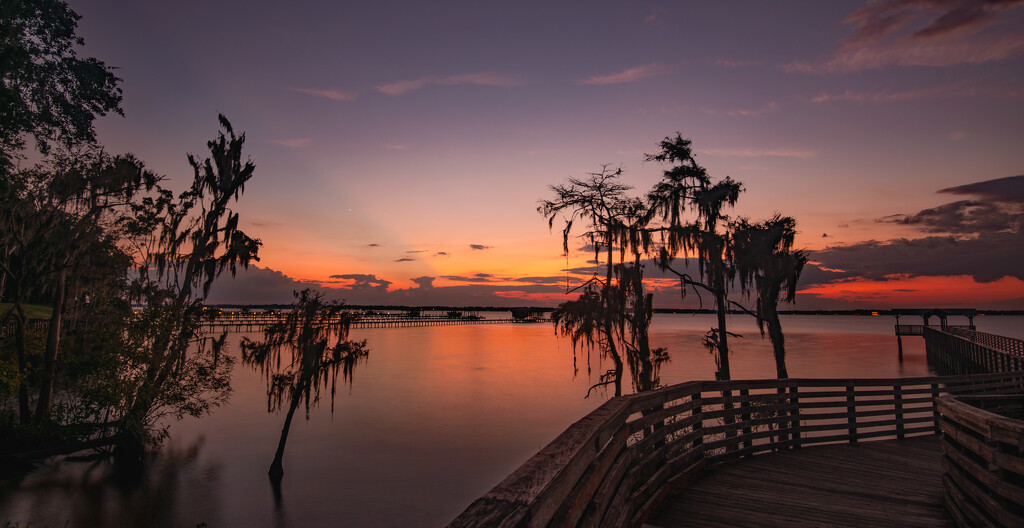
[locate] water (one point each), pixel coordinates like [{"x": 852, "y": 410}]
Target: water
[{"x": 435, "y": 418}]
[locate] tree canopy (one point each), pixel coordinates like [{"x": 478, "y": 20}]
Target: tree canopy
[{"x": 46, "y": 90}]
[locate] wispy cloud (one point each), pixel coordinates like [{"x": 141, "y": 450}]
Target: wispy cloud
[
  {"x": 756, "y": 153},
  {"x": 746, "y": 112},
  {"x": 292, "y": 143},
  {"x": 734, "y": 63},
  {"x": 630, "y": 75},
  {"x": 405, "y": 259},
  {"x": 479, "y": 246},
  {"x": 933, "y": 92},
  {"x": 334, "y": 95},
  {"x": 482, "y": 79},
  {"x": 923, "y": 33}
]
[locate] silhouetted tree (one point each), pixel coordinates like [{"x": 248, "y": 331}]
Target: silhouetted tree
[
  {"x": 297, "y": 359},
  {"x": 46, "y": 90},
  {"x": 614, "y": 311},
  {"x": 58, "y": 240},
  {"x": 767, "y": 264},
  {"x": 690, "y": 206},
  {"x": 180, "y": 246}
]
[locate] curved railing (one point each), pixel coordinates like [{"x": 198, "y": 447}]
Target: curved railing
[
  {"x": 613, "y": 466},
  {"x": 983, "y": 458}
]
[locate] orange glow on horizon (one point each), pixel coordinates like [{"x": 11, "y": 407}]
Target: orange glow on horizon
[{"x": 916, "y": 291}]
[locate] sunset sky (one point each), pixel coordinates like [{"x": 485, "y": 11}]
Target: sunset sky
[{"x": 401, "y": 147}]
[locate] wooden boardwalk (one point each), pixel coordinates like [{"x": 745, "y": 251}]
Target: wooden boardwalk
[{"x": 884, "y": 483}]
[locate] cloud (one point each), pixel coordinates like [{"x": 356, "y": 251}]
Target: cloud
[
  {"x": 757, "y": 153},
  {"x": 417, "y": 251},
  {"x": 441, "y": 254},
  {"x": 981, "y": 238},
  {"x": 1009, "y": 189},
  {"x": 255, "y": 285},
  {"x": 961, "y": 217},
  {"x": 987, "y": 257},
  {"x": 755, "y": 112},
  {"x": 923, "y": 33},
  {"x": 885, "y": 96},
  {"x": 373, "y": 245},
  {"x": 484, "y": 275},
  {"x": 734, "y": 63},
  {"x": 544, "y": 280},
  {"x": 998, "y": 207},
  {"x": 292, "y": 143},
  {"x": 479, "y": 246},
  {"x": 334, "y": 95},
  {"x": 480, "y": 79},
  {"x": 477, "y": 278},
  {"x": 405, "y": 259},
  {"x": 401, "y": 87},
  {"x": 424, "y": 282},
  {"x": 629, "y": 75},
  {"x": 363, "y": 282}
]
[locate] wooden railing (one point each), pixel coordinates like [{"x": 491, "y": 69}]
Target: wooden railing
[
  {"x": 960, "y": 351},
  {"x": 983, "y": 458},
  {"x": 1005, "y": 344},
  {"x": 613, "y": 466}
]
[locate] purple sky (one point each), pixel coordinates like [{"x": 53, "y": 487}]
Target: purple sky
[{"x": 401, "y": 147}]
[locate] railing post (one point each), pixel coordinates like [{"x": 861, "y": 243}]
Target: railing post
[
  {"x": 794, "y": 414},
  {"x": 851, "y": 412},
  {"x": 935, "y": 408},
  {"x": 698, "y": 421},
  {"x": 746, "y": 405},
  {"x": 898, "y": 393}
]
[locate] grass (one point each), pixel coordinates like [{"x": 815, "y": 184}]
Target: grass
[{"x": 33, "y": 311}]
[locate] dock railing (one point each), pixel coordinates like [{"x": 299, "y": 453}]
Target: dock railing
[
  {"x": 962, "y": 351},
  {"x": 612, "y": 467},
  {"x": 983, "y": 458}
]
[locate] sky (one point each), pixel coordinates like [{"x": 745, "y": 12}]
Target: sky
[{"x": 401, "y": 147}]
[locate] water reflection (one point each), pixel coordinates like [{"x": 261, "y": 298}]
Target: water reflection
[
  {"x": 176, "y": 489},
  {"x": 435, "y": 418}
]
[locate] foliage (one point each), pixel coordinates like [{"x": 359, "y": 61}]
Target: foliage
[
  {"x": 46, "y": 90},
  {"x": 179, "y": 246},
  {"x": 612, "y": 311},
  {"x": 767, "y": 264},
  {"x": 297, "y": 360},
  {"x": 682, "y": 216}
]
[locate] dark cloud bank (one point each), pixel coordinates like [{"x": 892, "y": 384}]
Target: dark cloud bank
[{"x": 979, "y": 237}]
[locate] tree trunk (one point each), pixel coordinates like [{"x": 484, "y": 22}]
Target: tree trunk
[
  {"x": 724, "y": 372},
  {"x": 778, "y": 341},
  {"x": 52, "y": 349},
  {"x": 276, "y": 467},
  {"x": 24, "y": 409}
]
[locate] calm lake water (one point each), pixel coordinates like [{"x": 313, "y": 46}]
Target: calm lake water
[{"x": 435, "y": 418}]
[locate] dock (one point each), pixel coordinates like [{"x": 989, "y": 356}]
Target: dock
[
  {"x": 932, "y": 451},
  {"x": 885, "y": 483},
  {"x": 256, "y": 321}
]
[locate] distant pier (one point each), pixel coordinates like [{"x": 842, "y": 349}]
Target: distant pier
[{"x": 259, "y": 320}]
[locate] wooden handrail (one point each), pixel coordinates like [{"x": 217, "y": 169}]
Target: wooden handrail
[
  {"x": 983, "y": 458},
  {"x": 613, "y": 466}
]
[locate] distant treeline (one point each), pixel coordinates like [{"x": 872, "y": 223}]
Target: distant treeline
[{"x": 866, "y": 312}]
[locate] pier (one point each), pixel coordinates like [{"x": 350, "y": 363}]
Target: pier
[
  {"x": 256, "y": 321},
  {"x": 661, "y": 457}
]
